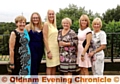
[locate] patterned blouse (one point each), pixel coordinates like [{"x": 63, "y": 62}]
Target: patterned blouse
[{"x": 68, "y": 54}]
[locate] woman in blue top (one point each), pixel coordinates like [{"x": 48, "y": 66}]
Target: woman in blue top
[
  {"x": 20, "y": 58},
  {"x": 36, "y": 42}
]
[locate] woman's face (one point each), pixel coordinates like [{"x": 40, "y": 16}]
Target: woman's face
[
  {"x": 51, "y": 15},
  {"x": 96, "y": 26},
  {"x": 21, "y": 24},
  {"x": 84, "y": 22},
  {"x": 66, "y": 24},
  {"x": 35, "y": 19}
]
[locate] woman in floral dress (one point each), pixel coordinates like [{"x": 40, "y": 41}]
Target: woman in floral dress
[{"x": 68, "y": 41}]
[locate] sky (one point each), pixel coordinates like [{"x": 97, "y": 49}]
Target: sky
[{"x": 9, "y": 9}]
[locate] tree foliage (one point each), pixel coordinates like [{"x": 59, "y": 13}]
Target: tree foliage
[
  {"x": 6, "y": 27},
  {"x": 74, "y": 13},
  {"x": 112, "y": 14},
  {"x": 110, "y": 20}
]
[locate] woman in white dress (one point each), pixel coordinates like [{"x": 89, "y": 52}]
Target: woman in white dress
[{"x": 84, "y": 39}]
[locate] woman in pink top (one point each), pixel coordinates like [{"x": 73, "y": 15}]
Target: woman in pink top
[{"x": 84, "y": 38}]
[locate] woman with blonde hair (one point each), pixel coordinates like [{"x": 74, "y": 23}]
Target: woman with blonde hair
[
  {"x": 36, "y": 42},
  {"x": 84, "y": 39},
  {"x": 50, "y": 34},
  {"x": 68, "y": 42},
  {"x": 96, "y": 48}
]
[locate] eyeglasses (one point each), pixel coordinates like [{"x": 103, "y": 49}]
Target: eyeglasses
[{"x": 35, "y": 18}]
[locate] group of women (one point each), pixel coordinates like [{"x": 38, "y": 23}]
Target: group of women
[{"x": 63, "y": 48}]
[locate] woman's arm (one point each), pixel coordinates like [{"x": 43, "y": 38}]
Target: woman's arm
[
  {"x": 103, "y": 42},
  {"x": 27, "y": 27},
  {"x": 45, "y": 36},
  {"x": 74, "y": 41},
  {"x": 103, "y": 46},
  {"x": 88, "y": 40},
  {"x": 11, "y": 47}
]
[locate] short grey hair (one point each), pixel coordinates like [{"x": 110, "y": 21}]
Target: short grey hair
[{"x": 67, "y": 19}]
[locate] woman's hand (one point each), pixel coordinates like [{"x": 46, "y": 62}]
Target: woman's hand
[
  {"x": 12, "y": 66},
  {"x": 49, "y": 55},
  {"x": 91, "y": 53},
  {"x": 61, "y": 43},
  {"x": 82, "y": 57}
]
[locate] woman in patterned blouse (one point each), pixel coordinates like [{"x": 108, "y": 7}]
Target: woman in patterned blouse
[
  {"x": 96, "y": 48},
  {"x": 68, "y": 41}
]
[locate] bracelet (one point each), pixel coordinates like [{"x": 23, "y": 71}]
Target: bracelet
[
  {"x": 48, "y": 52},
  {"x": 11, "y": 64}
]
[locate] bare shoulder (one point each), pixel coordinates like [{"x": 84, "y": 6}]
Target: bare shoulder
[
  {"x": 45, "y": 26},
  {"x": 27, "y": 27},
  {"x": 12, "y": 35}
]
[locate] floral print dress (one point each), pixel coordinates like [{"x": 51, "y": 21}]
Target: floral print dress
[{"x": 68, "y": 54}]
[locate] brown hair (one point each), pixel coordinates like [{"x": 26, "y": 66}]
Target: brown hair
[{"x": 20, "y": 18}]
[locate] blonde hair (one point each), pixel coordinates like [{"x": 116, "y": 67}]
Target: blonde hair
[
  {"x": 67, "y": 19},
  {"x": 86, "y": 18},
  {"x": 97, "y": 20},
  {"x": 20, "y": 18},
  {"x": 54, "y": 23},
  {"x": 40, "y": 26}
]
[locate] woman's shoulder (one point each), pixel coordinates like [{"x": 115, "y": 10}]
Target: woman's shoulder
[
  {"x": 88, "y": 29},
  {"x": 45, "y": 23},
  {"x": 60, "y": 30},
  {"x": 13, "y": 32},
  {"x": 27, "y": 27},
  {"x": 102, "y": 32},
  {"x": 72, "y": 31}
]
